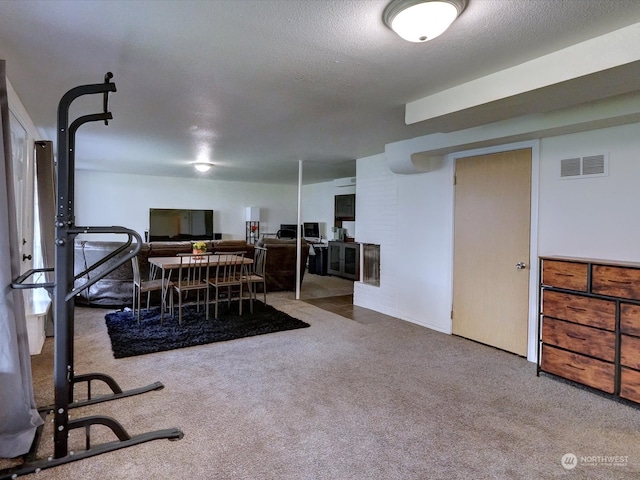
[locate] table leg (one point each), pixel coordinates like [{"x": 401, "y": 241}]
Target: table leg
[{"x": 165, "y": 287}]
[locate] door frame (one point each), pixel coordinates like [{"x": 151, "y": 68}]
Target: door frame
[{"x": 534, "y": 145}]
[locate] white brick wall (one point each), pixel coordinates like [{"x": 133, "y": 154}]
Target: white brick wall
[
  {"x": 376, "y": 205},
  {"x": 410, "y": 217}
]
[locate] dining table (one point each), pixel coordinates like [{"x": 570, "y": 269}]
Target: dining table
[{"x": 167, "y": 264}]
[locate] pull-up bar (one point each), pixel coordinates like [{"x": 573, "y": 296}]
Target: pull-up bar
[{"x": 64, "y": 292}]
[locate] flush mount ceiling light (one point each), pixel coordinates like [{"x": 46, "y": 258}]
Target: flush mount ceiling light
[
  {"x": 421, "y": 20},
  {"x": 202, "y": 166}
]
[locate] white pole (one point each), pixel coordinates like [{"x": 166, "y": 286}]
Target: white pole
[{"x": 299, "y": 230}]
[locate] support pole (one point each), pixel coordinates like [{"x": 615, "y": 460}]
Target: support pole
[{"x": 299, "y": 229}]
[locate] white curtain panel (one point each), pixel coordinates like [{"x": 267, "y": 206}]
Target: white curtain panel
[{"x": 19, "y": 416}]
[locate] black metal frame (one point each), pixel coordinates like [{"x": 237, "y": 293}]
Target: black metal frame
[{"x": 64, "y": 291}]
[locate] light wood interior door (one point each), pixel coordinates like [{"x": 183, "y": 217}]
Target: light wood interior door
[{"x": 492, "y": 221}]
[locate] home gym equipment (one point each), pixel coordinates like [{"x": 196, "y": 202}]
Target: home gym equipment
[{"x": 64, "y": 290}]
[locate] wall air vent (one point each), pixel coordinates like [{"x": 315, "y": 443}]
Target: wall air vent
[
  {"x": 570, "y": 167},
  {"x": 593, "y": 165},
  {"x": 345, "y": 182},
  {"x": 584, "y": 167}
]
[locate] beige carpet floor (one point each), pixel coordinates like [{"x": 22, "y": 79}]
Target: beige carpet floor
[{"x": 342, "y": 400}]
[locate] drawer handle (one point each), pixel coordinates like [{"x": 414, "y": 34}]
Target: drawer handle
[
  {"x": 573, "y": 366},
  {"x": 623, "y": 282},
  {"x": 576, "y": 309},
  {"x": 577, "y": 337},
  {"x": 565, "y": 274}
]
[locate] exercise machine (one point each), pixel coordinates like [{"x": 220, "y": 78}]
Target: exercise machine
[{"x": 64, "y": 290}]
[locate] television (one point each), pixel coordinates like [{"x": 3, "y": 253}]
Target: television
[
  {"x": 288, "y": 230},
  {"x": 180, "y": 224},
  {"x": 311, "y": 230}
]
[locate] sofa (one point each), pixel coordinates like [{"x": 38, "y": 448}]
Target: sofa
[
  {"x": 281, "y": 262},
  {"x": 116, "y": 288}
]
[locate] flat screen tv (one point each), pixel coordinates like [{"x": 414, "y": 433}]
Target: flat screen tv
[{"x": 180, "y": 224}]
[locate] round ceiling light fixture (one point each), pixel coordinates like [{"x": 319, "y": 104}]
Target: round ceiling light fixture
[
  {"x": 202, "y": 166},
  {"x": 421, "y": 20}
]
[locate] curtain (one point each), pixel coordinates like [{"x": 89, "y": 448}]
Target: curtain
[
  {"x": 19, "y": 416},
  {"x": 45, "y": 181}
]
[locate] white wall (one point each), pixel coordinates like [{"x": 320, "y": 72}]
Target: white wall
[
  {"x": 318, "y": 206},
  {"x": 124, "y": 200},
  {"x": 592, "y": 217},
  {"x": 376, "y": 215},
  {"x": 105, "y": 199},
  {"x": 411, "y": 217}
]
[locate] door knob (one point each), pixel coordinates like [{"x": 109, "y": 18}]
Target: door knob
[
  {"x": 521, "y": 265},
  {"x": 25, "y": 257}
]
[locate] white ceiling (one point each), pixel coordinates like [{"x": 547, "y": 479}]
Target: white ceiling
[{"x": 261, "y": 84}]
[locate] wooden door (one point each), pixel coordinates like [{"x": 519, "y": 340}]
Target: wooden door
[{"x": 492, "y": 220}]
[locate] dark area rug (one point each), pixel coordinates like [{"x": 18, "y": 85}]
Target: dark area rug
[{"x": 129, "y": 339}]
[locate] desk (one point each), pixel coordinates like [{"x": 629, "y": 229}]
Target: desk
[{"x": 166, "y": 264}]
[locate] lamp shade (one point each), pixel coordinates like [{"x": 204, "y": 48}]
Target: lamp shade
[
  {"x": 422, "y": 20},
  {"x": 252, "y": 214}
]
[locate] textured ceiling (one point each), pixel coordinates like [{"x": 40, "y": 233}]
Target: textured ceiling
[{"x": 256, "y": 85}]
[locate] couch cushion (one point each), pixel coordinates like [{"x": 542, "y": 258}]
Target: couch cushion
[
  {"x": 169, "y": 249},
  {"x": 228, "y": 245},
  {"x": 232, "y": 246}
]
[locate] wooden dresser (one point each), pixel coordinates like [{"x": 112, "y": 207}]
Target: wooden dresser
[{"x": 589, "y": 323}]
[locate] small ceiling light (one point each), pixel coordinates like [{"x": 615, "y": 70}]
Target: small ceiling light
[
  {"x": 421, "y": 20},
  {"x": 203, "y": 166}
]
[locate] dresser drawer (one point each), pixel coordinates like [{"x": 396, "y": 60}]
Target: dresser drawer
[
  {"x": 594, "y": 312},
  {"x": 589, "y": 341},
  {"x": 623, "y": 282},
  {"x": 630, "y": 384},
  {"x": 630, "y": 319},
  {"x": 630, "y": 351},
  {"x": 569, "y": 275},
  {"x": 576, "y": 367}
]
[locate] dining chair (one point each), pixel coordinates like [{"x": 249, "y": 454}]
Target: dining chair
[
  {"x": 228, "y": 273},
  {"x": 144, "y": 286},
  {"x": 192, "y": 277},
  {"x": 257, "y": 275}
]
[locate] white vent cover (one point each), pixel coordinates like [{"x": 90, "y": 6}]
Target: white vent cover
[
  {"x": 345, "y": 182},
  {"x": 584, "y": 167}
]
